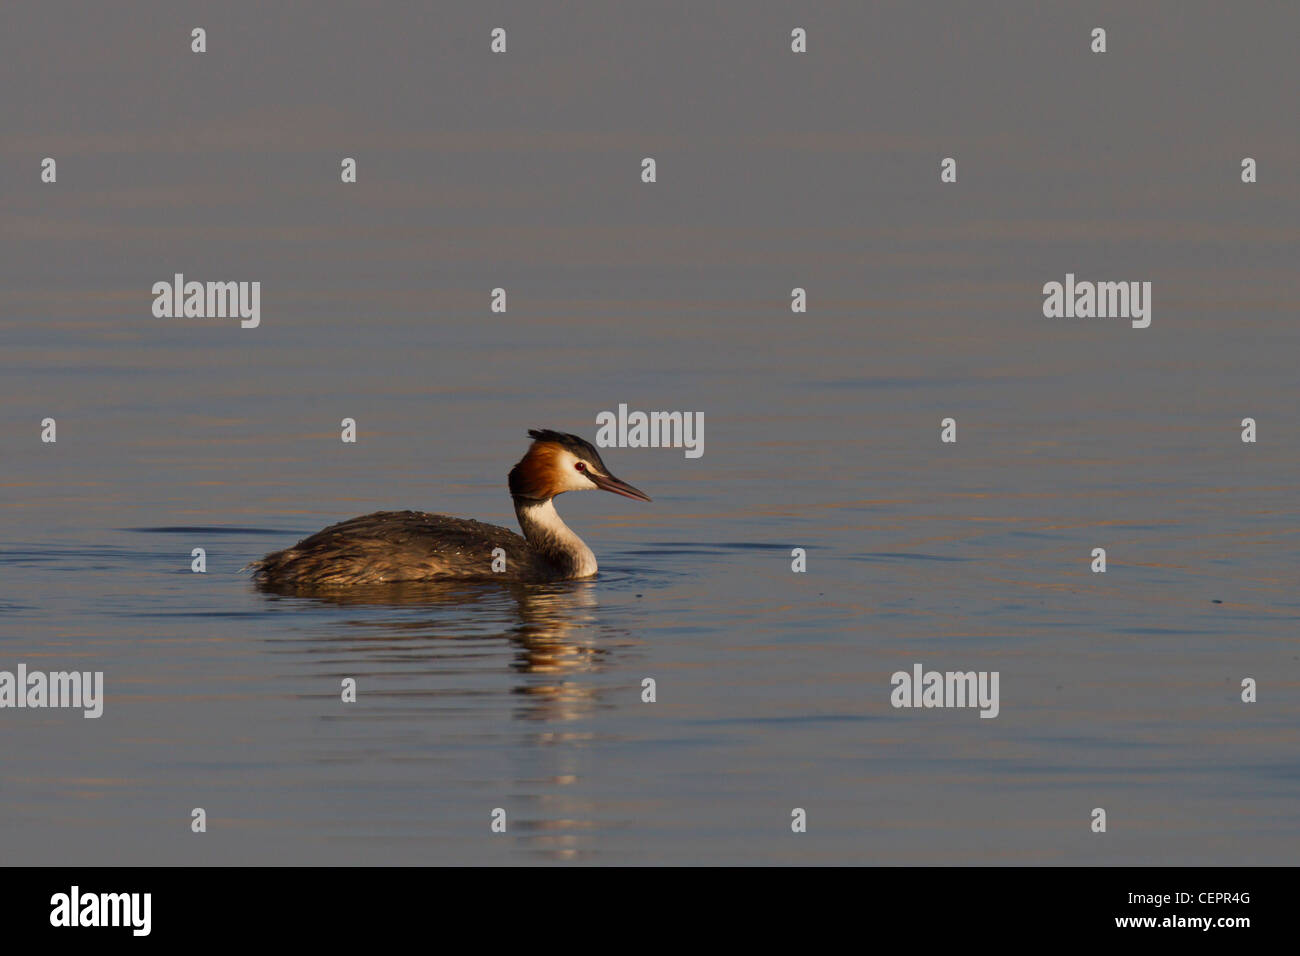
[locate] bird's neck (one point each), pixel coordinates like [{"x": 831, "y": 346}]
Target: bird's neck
[{"x": 552, "y": 538}]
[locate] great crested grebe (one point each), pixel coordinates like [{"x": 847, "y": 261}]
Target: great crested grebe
[{"x": 396, "y": 546}]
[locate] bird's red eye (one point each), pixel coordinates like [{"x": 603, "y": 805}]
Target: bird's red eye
[{"x": 580, "y": 466}]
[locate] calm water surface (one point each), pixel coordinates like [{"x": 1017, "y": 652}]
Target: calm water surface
[
  {"x": 821, "y": 432},
  {"x": 1117, "y": 691}
]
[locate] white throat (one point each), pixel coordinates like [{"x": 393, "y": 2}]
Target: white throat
[{"x": 548, "y": 533}]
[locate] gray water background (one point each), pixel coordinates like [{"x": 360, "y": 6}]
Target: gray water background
[{"x": 775, "y": 170}]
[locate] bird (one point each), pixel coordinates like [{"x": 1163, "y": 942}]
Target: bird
[{"x": 396, "y": 547}]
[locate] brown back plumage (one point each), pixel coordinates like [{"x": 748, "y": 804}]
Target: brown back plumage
[{"x": 394, "y": 546}]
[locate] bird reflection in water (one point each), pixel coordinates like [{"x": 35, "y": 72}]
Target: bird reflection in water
[
  {"x": 552, "y": 627},
  {"x": 559, "y": 649}
]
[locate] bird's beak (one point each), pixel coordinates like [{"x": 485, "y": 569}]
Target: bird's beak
[{"x": 610, "y": 483}]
